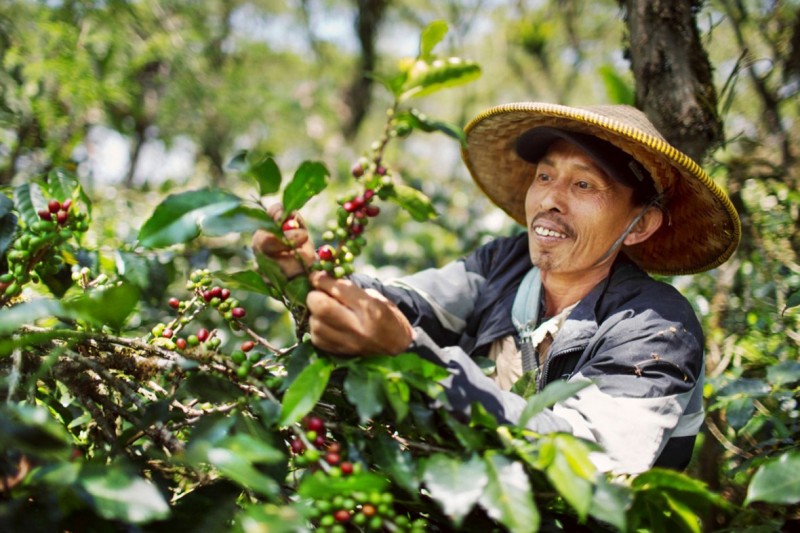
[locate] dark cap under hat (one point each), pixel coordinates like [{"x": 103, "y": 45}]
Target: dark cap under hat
[{"x": 618, "y": 164}]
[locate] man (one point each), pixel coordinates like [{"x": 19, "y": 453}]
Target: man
[{"x": 604, "y": 198}]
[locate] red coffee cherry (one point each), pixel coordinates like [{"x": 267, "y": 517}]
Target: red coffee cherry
[
  {"x": 66, "y": 204},
  {"x": 346, "y": 468},
  {"x": 342, "y": 516},
  {"x": 202, "y": 334},
  {"x": 44, "y": 214},
  {"x": 167, "y": 333},
  {"x": 325, "y": 252},
  {"x": 174, "y": 303},
  {"x": 224, "y": 294},
  {"x": 54, "y": 206},
  {"x": 290, "y": 224},
  {"x": 247, "y": 346},
  {"x": 297, "y": 445},
  {"x": 61, "y": 217},
  {"x": 180, "y": 343},
  {"x": 238, "y": 312},
  {"x": 332, "y": 459},
  {"x": 315, "y": 423}
]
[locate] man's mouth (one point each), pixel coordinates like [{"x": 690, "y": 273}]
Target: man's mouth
[{"x": 544, "y": 232}]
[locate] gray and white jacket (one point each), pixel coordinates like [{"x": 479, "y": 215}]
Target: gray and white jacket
[{"x": 636, "y": 339}]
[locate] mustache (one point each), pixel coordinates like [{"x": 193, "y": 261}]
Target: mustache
[{"x": 556, "y": 223}]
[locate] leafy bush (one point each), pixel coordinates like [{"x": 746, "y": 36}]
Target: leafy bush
[{"x": 184, "y": 414}]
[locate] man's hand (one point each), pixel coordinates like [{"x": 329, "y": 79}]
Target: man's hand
[
  {"x": 292, "y": 260},
  {"x": 348, "y": 320}
]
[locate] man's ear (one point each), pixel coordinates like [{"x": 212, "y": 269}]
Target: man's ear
[{"x": 647, "y": 225}]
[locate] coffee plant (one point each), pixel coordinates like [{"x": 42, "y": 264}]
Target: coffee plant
[{"x": 197, "y": 421}]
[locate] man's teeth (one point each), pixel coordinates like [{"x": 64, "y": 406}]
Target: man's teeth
[{"x": 548, "y": 233}]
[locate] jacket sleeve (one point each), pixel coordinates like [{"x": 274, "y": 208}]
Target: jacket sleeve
[{"x": 468, "y": 384}]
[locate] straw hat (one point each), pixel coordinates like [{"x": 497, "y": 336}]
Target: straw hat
[{"x": 701, "y": 228}]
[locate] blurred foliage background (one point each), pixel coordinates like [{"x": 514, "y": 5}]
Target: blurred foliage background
[{"x": 147, "y": 97}]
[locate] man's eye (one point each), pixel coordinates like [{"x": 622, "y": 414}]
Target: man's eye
[
  {"x": 542, "y": 177},
  {"x": 583, "y": 184}
]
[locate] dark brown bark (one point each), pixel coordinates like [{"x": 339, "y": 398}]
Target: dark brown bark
[
  {"x": 358, "y": 96},
  {"x": 674, "y": 84}
]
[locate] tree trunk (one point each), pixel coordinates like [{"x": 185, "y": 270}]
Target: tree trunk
[
  {"x": 674, "y": 84},
  {"x": 358, "y": 96}
]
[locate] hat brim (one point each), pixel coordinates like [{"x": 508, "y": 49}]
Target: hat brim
[{"x": 701, "y": 229}]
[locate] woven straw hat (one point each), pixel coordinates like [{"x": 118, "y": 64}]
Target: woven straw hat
[{"x": 701, "y": 228}]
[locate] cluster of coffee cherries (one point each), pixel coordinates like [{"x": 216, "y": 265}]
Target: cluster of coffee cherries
[
  {"x": 362, "y": 511},
  {"x": 315, "y": 445},
  {"x": 36, "y": 250},
  {"x": 202, "y": 285},
  {"x": 313, "y": 448},
  {"x": 205, "y": 294},
  {"x": 347, "y": 231}
]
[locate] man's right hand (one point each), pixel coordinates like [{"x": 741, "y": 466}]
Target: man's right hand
[{"x": 292, "y": 259}]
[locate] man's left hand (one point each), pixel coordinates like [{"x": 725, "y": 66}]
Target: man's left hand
[{"x": 348, "y": 320}]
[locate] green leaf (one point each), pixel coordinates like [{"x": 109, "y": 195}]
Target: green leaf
[
  {"x": 62, "y": 185},
  {"x": 296, "y": 290},
  {"x": 455, "y": 484},
  {"x": 619, "y": 90},
  {"x": 34, "y": 431},
  {"x": 206, "y": 386},
  {"x": 270, "y": 269},
  {"x": 415, "y": 119},
  {"x": 240, "y": 219},
  {"x": 398, "y": 394},
  {"x": 246, "y": 280},
  {"x": 267, "y": 176},
  {"x": 251, "y": 449},
  {"x": 776, "y": 481},
  {"x": 739, "y": 411},
  {"x": 526, "y": 386},
  {"x": 508, "y": 497},
  {"x": 309, "y": 180},
  {"x": 233, "y": 465},
  {"x": 110, "y": 306},
  {"x": 430, "y": 37},
  {"x": 745, "y": 387},
  {"x": 553, "y": 393},
  {"x": 117, "y": 495},
  {"x": 396, "y": 462},
  {"x": 305, "y": 391},
  {"x": 321, "y": 486},
  {"x": 364, "y": 389},
  {"x": 793, "y": 300},
  {"x": 413, "y": 201},
  {"x": 12, "y": 318},
  {"x": 179, "y": 217},
  {"x": 426, "y": 77},
  {"x": 611, "y": 502},
  {"x": 239, "y": 161},
  {"x": 8, "y": 223},
  {"x": 267, "y": 517},
  {"x": 469, "y": 438},
  {"x": 571, "y": 471},
  {"x": 784, "y": 373},
  {"x": 29, "y": 200}
]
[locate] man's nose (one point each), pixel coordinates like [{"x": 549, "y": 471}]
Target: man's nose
[{"x": 553, "y": 197}]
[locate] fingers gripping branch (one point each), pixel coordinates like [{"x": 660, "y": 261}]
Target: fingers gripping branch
[{"x": 348, "y": 320}]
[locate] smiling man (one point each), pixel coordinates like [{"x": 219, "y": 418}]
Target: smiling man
[{"x": 604, "y": 199}]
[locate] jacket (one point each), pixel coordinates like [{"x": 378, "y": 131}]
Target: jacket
[{"x": 637, "y": 340}]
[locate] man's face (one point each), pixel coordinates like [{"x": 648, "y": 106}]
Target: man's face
[{"x": 574, "y": 212}]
